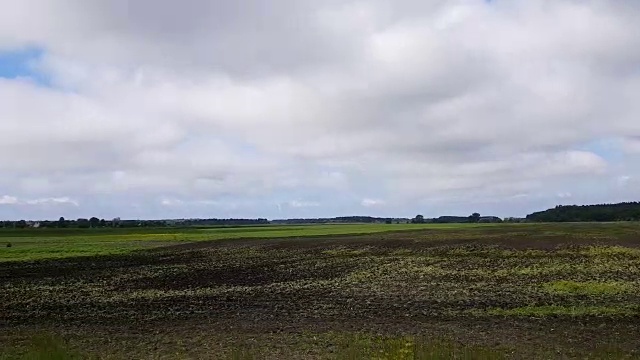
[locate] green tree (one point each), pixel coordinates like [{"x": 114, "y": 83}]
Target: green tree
[
  {"x": 419, "y": 219},
  {"x": 83, "y": 223},
  {"x": 474, "y": 218},
  {"x": 62, "y": 223},
  {"x": 94, "y": 222}
]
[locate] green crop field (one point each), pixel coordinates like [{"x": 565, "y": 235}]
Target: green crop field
[
  {"x": 34, "y": 244},
  {"x": 523, "y": 291}
]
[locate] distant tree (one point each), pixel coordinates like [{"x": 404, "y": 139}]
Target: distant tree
[
  {"x": 419, "y": 219},
  {"x": 103, "y": 223},
  {"x": 474, "y": 218},
  {"x": 62, "y": 222},
  {"x": 83, "y": 223},
  {"x": 21, "y": 224},
  {"x": 94, "y": 222},
  {"x": 628, "y": 211}
]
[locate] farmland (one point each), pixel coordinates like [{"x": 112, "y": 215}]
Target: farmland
[
  {"x": 34, "y": 244},
  {"x": 347, "y": 291}
]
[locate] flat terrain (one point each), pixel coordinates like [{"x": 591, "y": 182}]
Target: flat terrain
[
  {"x": 507, "y": 291},
  {"x": 35, "y": 244}
]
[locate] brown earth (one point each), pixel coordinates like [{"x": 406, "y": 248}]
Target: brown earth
[{"x": 290, "y": 293}]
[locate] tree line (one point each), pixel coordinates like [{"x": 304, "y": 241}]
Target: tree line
[
  {"x": 626, "y": 211},
  {"x": 94, "y": 222},
  {"x": 340, "y": 220},
  {"x": 473, "y": 218}
]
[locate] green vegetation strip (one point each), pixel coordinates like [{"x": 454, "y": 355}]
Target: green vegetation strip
[
  {"x": 36, "y": 244},
  {"x": 588, "y": 287},
  {"x": 556, "y": 310}
]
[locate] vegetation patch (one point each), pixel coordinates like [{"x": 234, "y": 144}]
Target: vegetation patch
[
  {"x": 611, "y": 251},
  {"x": 588, "y": 287},
  {"x": 572, "y": 311},
  {"x": 410, "y": 348},
  {"x": 342, "y": 251},
  {"x": 42, "y": 347}
]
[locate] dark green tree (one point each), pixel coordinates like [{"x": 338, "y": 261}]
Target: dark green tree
[
  {"x": 94, "y": 222},
  {"x": 83, "y": 223}
]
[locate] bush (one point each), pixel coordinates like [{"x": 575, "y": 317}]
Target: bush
[{"x": 9, "y": 245}]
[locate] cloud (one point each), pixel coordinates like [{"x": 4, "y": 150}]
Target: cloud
[
  {"x": 422, "y": 103},
  {"x": 12, "y": 200},
  {"x": 564, "y": 195},
  {"x": 623, "y": 180},
  {"x": 8, "y": 200},
  {"x": 302, "y": 204},
  {"x": 371, "y": 202},
  {"x": 631, "y": 144}
]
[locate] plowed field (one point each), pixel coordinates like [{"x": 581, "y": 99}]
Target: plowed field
[{"x": 518, "y": 291}]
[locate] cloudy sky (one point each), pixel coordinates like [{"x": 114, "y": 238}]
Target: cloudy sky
[{"x": 300, "y": 108}]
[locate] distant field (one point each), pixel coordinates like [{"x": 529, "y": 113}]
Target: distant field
[
  {"x": 35, "y": 244},
  {"x": 525, "y": 291}
]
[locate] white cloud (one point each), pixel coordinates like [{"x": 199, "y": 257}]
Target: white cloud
[
  {"x": 302, "y": 204},
  {"x": 8, "y": 200},
  {"x": 171, "y": 202},
  {"x": 419, "y": 101},
  {"x": 372, "y": 202},
  {"x": 623, "y": 180},
  {"x": 564, "y": 195},
  {"x": 631, "y": 145},
  {"x": 53, "y": 201},
  {"x": 12, "y": 200}
]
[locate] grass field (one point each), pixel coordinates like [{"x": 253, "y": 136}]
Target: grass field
[
  {"x": 430, "y": 292},
  {"x": 34, "y": 244}
]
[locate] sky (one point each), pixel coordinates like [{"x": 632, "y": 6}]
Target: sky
[{"x": 300, "y": 108}]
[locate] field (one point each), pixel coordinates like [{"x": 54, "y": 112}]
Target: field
[
  {"x": 484, "y": 291},
  {"x": 35, "y": 244}
]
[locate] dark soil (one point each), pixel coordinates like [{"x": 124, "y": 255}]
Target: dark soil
[{"x": 434, "y": 283}]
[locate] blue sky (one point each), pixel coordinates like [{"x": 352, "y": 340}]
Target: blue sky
[
  {"x": 21, "y": 64},
  {"x": 396, "y": 108}
]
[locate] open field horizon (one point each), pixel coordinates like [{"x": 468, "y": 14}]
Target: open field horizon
[
  {"x": 34, "y": 244},
  {"x": 445, "y": 291}
]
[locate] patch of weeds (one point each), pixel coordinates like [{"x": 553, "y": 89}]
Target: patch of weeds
[
  {"x": 402, "y": 252},
  {"x": 409, "y": 348},
  {"x": 554, "y": 310},
  {"x": 345, "y": 252},
  {"x": 587, "y": 288},
  {"x": 614, "y": 251},
  {"x": 241, "y": 354},
  {"x": 528, "y": 253},
  {"x": 43, "y": 347}
]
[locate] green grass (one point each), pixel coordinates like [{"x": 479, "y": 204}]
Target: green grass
[
  {"x": 348, "y": 346},
  {"x": 588, "y": 287},
  {"x": 410, "y": 348},
  {"x": 42, "y": 347},
  {"x": 571, "y": 311},
  {"x": 36, "y": 244}
]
